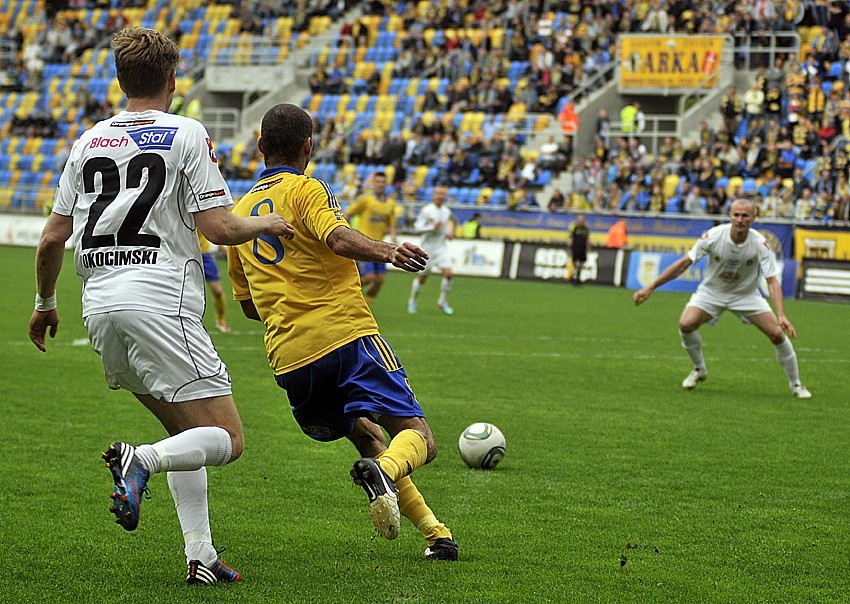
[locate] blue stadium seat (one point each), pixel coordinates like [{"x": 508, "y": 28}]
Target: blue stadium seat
[{"x": 749, "y": 186}]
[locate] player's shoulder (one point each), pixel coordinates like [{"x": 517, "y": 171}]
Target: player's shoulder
[
  {"x": 758, "y": 238},
  {"x": 715, "y": 232}
]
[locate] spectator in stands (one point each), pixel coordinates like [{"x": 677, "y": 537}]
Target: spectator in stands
[
  {"x": 518, "y": 200},
  {"x": 804, "y": 205},
  {"x": 730, "y": 108},
  {"x": 695, "y": 203},
  {"x": 556, "y": 201},
  {"x": 628, "y": 116},
  {"x": 730, "y": 159}
]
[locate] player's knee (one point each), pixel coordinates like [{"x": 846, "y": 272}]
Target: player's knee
[
  {"x": 379, "y": 279},
  {"x": 237, "y": 444},
  {"x": 687, "y": 327},
  {"x": 430, "y": 448},
  {"x": 777, "y": 337}
]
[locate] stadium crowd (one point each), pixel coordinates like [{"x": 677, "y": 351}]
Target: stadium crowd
[{"x": 782, "y": 142}]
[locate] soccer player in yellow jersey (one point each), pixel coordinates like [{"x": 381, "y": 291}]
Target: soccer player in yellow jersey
[
  {"x": 342, "y": 378},
  {"x": 377, "y": 213},
  {"x": 214, "y": 281}
]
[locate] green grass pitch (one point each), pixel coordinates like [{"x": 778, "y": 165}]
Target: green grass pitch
[{"x": 617, "y": 486}]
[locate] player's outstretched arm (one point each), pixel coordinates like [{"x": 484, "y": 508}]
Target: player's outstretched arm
[
  {"x": 775, "y": 289},
  {"x": 48, "y": 264},
  {"x": 673, "y": 271},
  {"x": 222, "y": 227},
  {"x": 349, "y": 243}
]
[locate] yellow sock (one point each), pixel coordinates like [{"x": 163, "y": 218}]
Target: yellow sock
[
  {"x": 219, "y": 303},
  {"x": 412, "y": 506},
  {"x": 407, "y": 451}
]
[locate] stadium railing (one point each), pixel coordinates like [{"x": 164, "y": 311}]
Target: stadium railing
[
  {"x": 752, "y": 56},
  {"x": 222, "y": 123}
]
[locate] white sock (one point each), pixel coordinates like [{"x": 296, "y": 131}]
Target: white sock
[
  {"x": 187, "y": 451},
  {"x": 788, "y": 359},
  {"x": 189, "y": 491},
  {"x": 414, "y": 290},
  {"x": 692, "y": 343},
  {"x": 445, "y": 288}
]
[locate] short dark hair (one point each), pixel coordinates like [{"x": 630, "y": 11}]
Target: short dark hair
[
  {"x": 284, "y": 130},
  {"x": 380, "y": 174},
  {"x": 144, "y": 58}
]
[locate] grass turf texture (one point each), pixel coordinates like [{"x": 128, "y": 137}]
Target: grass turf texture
[{"x": 618, "y": 485}]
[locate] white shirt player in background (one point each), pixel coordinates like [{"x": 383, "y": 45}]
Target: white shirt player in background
[
  {"x": 131, "y": 193},
  {"x": 436, "y": 224},
  {"x": 736, "y": 253}
]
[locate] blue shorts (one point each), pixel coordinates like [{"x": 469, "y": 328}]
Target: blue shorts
[
  {"x": 358, "y": 379},
  {"x": 210, "y": 268},
  {"x": 371, "y": 268}
]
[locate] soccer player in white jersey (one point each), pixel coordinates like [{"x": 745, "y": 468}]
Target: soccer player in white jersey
[
  {"x": 436, "y": 224},
  {"x": 131, "y": 193},
  {"x": 736, "y": 253}
]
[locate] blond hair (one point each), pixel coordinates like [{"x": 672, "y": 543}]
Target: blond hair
[{"x": 144, "y": 58}]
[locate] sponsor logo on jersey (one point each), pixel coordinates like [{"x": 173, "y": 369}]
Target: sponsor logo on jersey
[
  {"x": 132, "y": 124},
  {"x": 103, "y": 142},
  {"x": 265, "y": 186},
  {"x": 160, "y": 139},
  {"x": 118, "y": 258},
  {"x": 211, "y": 194},
  {"x": 211, "y": 151}
]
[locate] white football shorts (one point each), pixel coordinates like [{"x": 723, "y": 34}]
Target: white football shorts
[
  {"x": 438, "y": 259},
  {"x": 743, "y": 306},
  {"x": 171, "y": 358}
]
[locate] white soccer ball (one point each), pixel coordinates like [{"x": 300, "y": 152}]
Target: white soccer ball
[{"x": 482, "y": 446}]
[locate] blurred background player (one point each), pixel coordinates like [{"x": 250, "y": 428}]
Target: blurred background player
[
  {"x": 143, "y": 288},
  {"x": 340, "y": 375},
  {"x": 735, "y": 253},
  {"x": 436, "y": 224},
  {"x": 580, "y": 246},
  {"x": 212, "y": 278},
  {"x": 376, "y": 216}
]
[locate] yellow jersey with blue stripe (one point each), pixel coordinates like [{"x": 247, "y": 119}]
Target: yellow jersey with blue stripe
[
  {"x": 376, "y": 215},
  {"x": 206, "y": 248},
  {"x": 309, "y": 298}
]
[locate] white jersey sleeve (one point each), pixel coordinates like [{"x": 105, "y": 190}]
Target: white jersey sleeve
[
  {"x": 66, "y": 197},
  {"x": 767, "y": 259},
  {"x": 704, "y": 244},
  {"x": 207, "y": 187}
]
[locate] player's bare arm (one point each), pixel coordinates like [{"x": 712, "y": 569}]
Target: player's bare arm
[
  {"x": 775, "y": 289},
  {"x": 48, "y": 264},
  {"x": 673, "y": 271},
  {"x": 349, "y": 243},
  {"x": 222, "y": 227}
]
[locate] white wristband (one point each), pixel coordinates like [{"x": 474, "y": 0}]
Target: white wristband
[{"x": 45, "y": 304}]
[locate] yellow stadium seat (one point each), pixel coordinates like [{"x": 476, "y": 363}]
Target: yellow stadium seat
[
  {"x": 735, "y": 183},
  {"x": 315, "y": 102},
  {"x": 362, "y": 103},
  {"x": 419, "y": 175},
  {"x": 389, "y": 170},
  {"x": 671, "y": 181}
]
